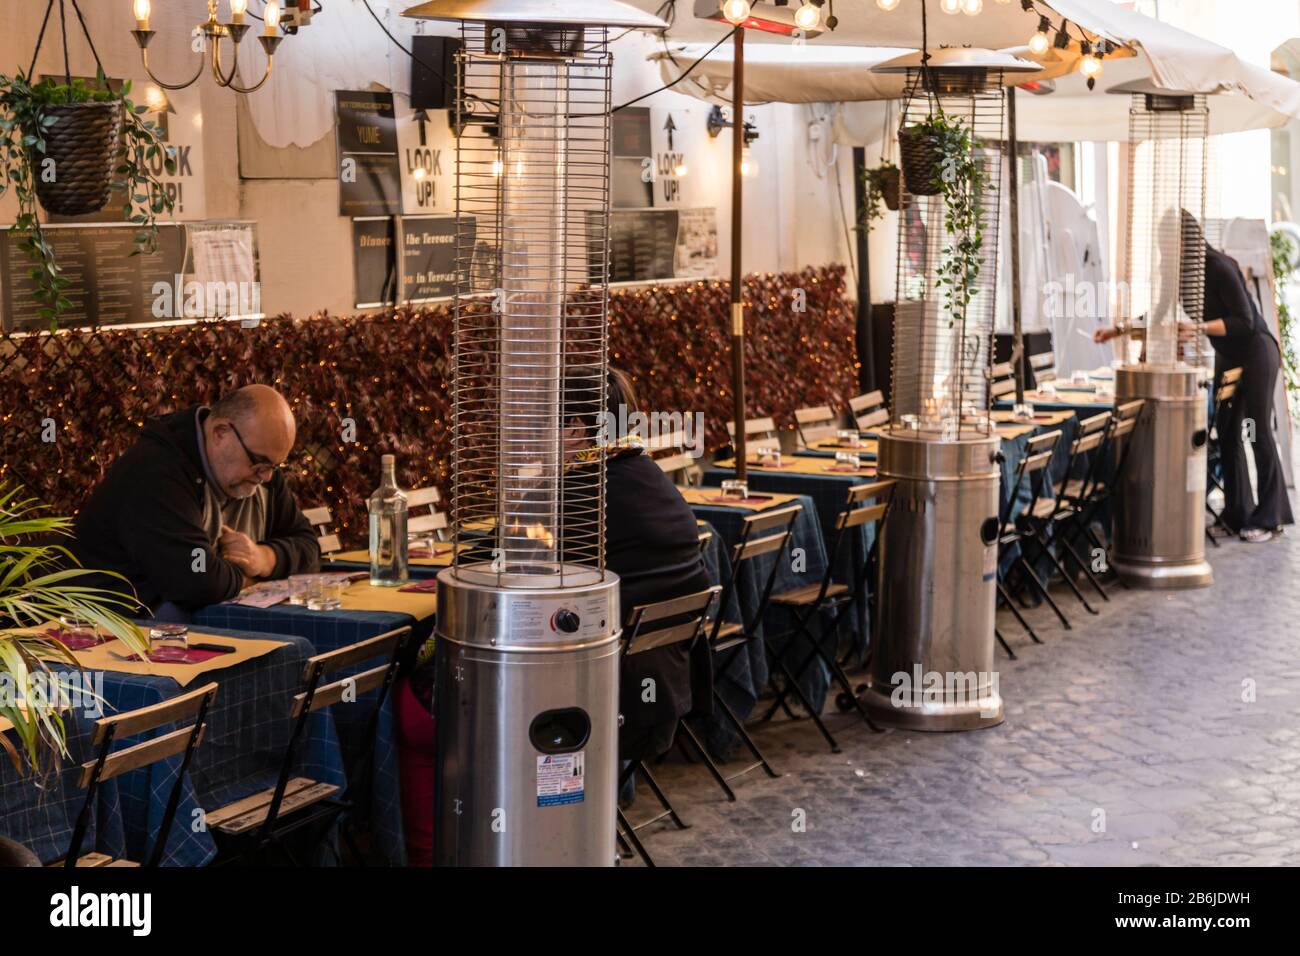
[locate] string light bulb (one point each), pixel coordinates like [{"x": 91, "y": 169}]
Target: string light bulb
[
  {"x": 887, "y": 5},
  {"x": 807, "y": 17},
  {"x": 972, "y": 7},
  {"x": 950, "y": 6},
  {"x": 1040, "y": 42},
  {"x": 1090, "y": 64},
  {"x": 735, "y": 12}
]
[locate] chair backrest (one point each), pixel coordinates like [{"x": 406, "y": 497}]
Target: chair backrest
[
  {"x": 188, "y": 712},
  {"x": 765, "y": 532},
  {"x": 759, "y": 433},
  {"x": 1001, "y": 370},
  {"x": 674, "y": 621},
  {"x": 706, "y": 537},
  {"x": 1039, "y": 450},
  {"x": 1004, "y": 386},
  {"x": 677, "y": 466},
  {"x": 816, "y": 424},
  {"x": 320, "y": 519},
  {"x": 1043, "y": 362},
  {"x": 869, "y": 410},
  {"x": 1129, "y": 410},
  {"x": 1094, "y": 423},
  {"x": 431, "y": 521}
]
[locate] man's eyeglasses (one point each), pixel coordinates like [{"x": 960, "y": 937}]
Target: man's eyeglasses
[{"x": 263, "y": 467}]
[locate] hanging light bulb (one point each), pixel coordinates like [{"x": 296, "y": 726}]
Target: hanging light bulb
[
  {"x": 736, "y": 12},
  {"x": 237, "y": 8},
  {"x": 950, "y": 6},
  {"x": 972, "y": 7},
  {"x": 140, "y": 9},
  {"x": 1090, "y": 65},
  {"x": 748, "y": 165},
  {"x": 1040, "y": 42},
  {"x": 887, "y": 5},
  {"x": 807, "y": 17},
  {"x": 271, "y": 16}
]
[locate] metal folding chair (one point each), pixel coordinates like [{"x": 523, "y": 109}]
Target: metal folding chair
[
  {"x": 649, "y": 626},
  {"x": 1038, "y": 454},
  {"x": 248, "y": 829},
  {"x": 181, "y": 741},
  {"x": 811, "y": 601}
]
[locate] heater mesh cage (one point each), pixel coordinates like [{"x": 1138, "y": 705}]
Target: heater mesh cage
[
  {"x": 530, "y": 333},
  {"x": 942, "y": 354},
  {"x": 1165, "y": 248}
]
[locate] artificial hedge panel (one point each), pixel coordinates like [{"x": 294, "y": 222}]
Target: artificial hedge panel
[{"x": 72, "y": 401}]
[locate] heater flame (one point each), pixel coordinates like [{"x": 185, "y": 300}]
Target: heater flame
[{"x": 539, "y": 532}]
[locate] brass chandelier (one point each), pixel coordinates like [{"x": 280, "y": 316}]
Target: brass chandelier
[{"x": 213, "y": 31}]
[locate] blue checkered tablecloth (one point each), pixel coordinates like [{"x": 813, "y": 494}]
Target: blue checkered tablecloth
[
  {"x": 747, "y": 674},
  {"x": 327, "y": 631},
  {"x": 248, "y": 730}
]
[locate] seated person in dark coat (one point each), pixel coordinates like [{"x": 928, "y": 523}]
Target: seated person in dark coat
[
  {"x": 197, "y": 508},
  {"x": 652, "y": 544}
]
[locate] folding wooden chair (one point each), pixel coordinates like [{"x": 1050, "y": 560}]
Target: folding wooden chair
[
  {"x": 759, "y": 433},
  {"x": 1044, "y": 367},
  {"x": 1038, "y": 454},
  {"x": 320, "y": 519},
  {"x": 181, "y": 741},
  {"x": 1002, "y": 380},
  {"x": 1040, "y": 522},
  {"x": 811, "y": 601},
  {"x": 767, "y": 532},
  {"x": 662, "y": 624},
  {"x": 251, "y": 827},
  {"x": 423, "y": 520},
  {"x": 815, "y": 424},
  {"x": 869, "y": 410},
  {"x": 1223, "y": 398}
]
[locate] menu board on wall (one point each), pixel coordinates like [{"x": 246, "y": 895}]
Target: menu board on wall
[
  {"x": 369, "y": 177},
  {"x": 429, "y": 256},
  {"x": 374, "y": 261},
  {"x": 106, "y": 284},
  {"x": 642, "y": 244}
]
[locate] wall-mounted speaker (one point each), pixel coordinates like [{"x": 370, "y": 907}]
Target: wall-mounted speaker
[{"x": 433, "y": 72}]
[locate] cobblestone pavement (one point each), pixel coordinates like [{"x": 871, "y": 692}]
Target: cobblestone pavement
[{"x": 1136, "y": 718}]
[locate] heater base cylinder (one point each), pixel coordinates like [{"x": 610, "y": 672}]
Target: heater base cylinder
[
  {"x": 932, "y": 663},
  {"x": 526, "y": 724},
  {"x": 1160, "y": 504}
]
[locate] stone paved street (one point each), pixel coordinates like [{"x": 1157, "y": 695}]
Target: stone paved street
[{"x": 1137, "y": 714}]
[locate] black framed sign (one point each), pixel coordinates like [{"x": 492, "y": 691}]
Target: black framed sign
[
  {"x": 369, "y": 173},
  {"x": 374, "y": 261},
  {"x": 429, "y": 256}
]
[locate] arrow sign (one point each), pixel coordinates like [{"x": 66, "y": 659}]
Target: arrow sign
[
  {"x": 670, "y": 126},
  {"x": 422, "y": 117}
]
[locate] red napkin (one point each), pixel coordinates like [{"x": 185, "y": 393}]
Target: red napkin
[
  {"x": 76, "y": 640},
  {"x": 724, "y": 500},
  {"x": 422, "y": 552},
  {"x": 427, "y": 586},
  {"x": 179, "y": 655}
]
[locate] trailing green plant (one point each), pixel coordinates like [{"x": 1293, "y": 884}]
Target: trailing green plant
[
  {"x": 38, "y": 586},
  {"x": 24, "y": 124},
  {"x": 960, "y": 180},
  {"x": 875, "y": 182},
  {"x": 1283, "y": 250}
]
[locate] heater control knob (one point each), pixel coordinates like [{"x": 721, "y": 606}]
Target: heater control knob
[{"x": 565, "y": 620}]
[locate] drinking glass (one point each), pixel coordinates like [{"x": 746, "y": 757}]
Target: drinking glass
[
  {"x": 169, "y": 635},
  {"x": 735, "y": 488}
]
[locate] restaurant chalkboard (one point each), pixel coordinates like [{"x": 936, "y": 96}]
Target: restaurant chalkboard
[
  {"x": 106, "y": 284},
  {"x": 429, "y": 256},
  {"x": 369, "y": 176}
]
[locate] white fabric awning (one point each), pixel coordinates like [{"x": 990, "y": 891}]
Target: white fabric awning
[{"x": 832, "y": 68}]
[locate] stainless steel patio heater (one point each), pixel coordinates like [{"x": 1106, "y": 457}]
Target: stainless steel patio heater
[
  {"x": 932, "y": 663},
  {"x": 1159, "y": 521},
  {"x": 526, "y": 667}
]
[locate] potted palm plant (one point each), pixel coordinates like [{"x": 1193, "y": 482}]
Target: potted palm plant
[
  {"x": 38, "y": 586},
  {"x": 70, "y": 145}
]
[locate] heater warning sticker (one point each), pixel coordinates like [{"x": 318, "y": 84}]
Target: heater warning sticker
[{"x": 560, "y": 779}]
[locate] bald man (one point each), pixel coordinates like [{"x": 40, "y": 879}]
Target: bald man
[{"x": 197, "y": 507}]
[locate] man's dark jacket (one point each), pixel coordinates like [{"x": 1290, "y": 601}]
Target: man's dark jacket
[{"x": 145, "y": 521}]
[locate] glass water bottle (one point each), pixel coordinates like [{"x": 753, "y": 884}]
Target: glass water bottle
[{"x": 387, "y": 507}]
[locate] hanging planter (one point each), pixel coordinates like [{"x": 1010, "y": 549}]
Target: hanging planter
[
  {"x": 82, "y": 142},
  {"x": 69, "y": 146},
  {"x": 921, "y": 151}
]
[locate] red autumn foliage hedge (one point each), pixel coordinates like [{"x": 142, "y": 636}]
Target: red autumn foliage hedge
[{"x": 89, "y": 391}]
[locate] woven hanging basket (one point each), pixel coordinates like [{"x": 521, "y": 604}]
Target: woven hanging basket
[
  {"x": 891, "y": 186},
  {"x": 921, "y": 157},
  {"x": 84, "y": 144}
]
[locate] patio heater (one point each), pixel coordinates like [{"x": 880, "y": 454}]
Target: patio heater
[
  {"x": 528, "y": 630},
  {"x": 938, "y": 549},
  {"x": 1160, "y": 512}
]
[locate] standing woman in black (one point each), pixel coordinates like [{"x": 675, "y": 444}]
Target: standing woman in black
[{"x": 1241, "y": 339}]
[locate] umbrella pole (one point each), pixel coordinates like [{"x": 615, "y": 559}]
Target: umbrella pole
[
  {"x": 737, "y": 307},
  {"x": 866, "y": 342},
  {"x": 1013, "y": 173}
]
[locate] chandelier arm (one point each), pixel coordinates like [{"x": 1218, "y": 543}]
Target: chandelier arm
[
  {"x": 144, "y": 59},
  {"x": 252, "y": 89},
  {"x": 226, "y": 81}
]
